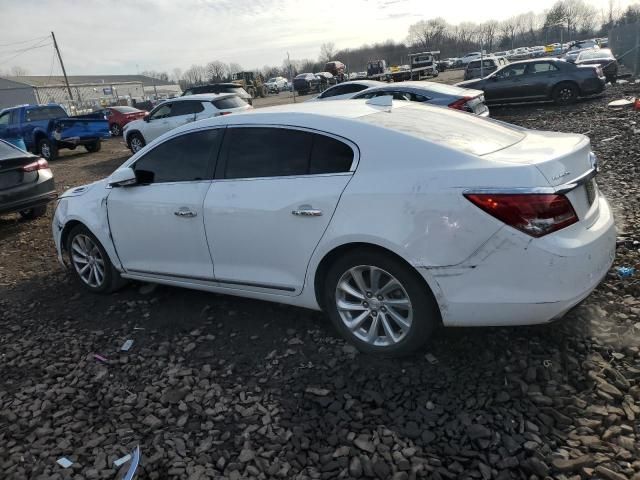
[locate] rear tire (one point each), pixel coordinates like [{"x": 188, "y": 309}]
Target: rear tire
[
  {"x": 34, "y": 212},
  {"x": 47, "y": 149},
  {"x": 90, "y": 264},
  {"x": 379, "y": 304},
  {"x": 565, "y": 94},
  {"x": 93, "y": 146}
]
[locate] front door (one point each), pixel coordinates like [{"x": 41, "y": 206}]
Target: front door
[
  {"x": 506, "y": 84},
  {"x": 158, "y": 122},
  {"x": 274, "y": 195},
  {"x": 157, "y": 225}
]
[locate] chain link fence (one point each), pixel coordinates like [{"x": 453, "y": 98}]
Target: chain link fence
[{"x": 624, "y": 41}]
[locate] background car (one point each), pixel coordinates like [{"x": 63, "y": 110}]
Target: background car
[
  {"x": 26, "y": 182},
  {"x": 233, "y": 88},
  {"x": 118, "y": 117},
  {"x": 305, "y": 83},
  {"x": 548, "y": 79},
  {"x": 394, "y": 221},
  {"x": 489, "y": 65},
  {"x": 469, "y": 57},
  {"x": 346, "y": 90},
  {"x": 277, "y": 84},
  {"x": 603, "y": 57},
  {"x": 177, "y": 112},
  {"x": 431, "y": 93}
]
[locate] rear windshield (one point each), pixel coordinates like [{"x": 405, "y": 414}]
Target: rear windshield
[
  {"x": 45, "y": 113},
  {"x": 470, "y": 134},
  {"x": 126, "y": 109},
  {"x": 9, "y": 151},
  {"x": 229, "y": 102}
]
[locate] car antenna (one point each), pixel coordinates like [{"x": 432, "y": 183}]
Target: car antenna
[{"x": 382, "y": 101}]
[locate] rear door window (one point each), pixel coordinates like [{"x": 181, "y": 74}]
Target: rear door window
[
  {"x": 258, "y": 152},
  {"x": 541, "y": 67},
  {"x": 186, "y": 158},
  {"x": 45, "y": 113},
  {"x": 186, "y": 108}
]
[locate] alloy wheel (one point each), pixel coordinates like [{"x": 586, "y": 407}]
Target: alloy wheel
[
  {"x": 87, "y": 260},
  {"x": 115, "y": 129},
  {"x": 136, "y": 144},
  {"x": 374, "y": 305},
  {"x": 45, "y": 151},
  {"x": 566, "y": 94}
]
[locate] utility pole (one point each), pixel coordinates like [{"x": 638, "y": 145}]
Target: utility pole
[
  {"x": 291, "y": 77},
  {"x": 64, "y": 72}
]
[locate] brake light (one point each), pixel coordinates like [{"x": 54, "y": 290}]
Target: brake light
[
  {"x": 40, "y": 164},
  {"x": 225, "y": 113},
  {"x": 534, "y": 214},
  {"x": 460, "y": 104}
]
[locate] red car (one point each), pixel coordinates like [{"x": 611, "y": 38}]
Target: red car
[{"x": 119, "y": 116}]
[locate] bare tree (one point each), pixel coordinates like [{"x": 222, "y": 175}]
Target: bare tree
[
  {"x": 327, "y": 52},
  {"x": 234, "y": 68},
  {"x": 489, "y": 30},
  {"x": 18, "y": 71},
  {"x": 216, "y": 70},
  {"x": 508, "y": 30},
  {"x": 176, "y": 74},
  {"x": 195, "y": 75},
  {"x": 427, "y": 34}
]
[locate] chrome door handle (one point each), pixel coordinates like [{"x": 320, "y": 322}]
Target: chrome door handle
[
  {"x": 185, "y": 213},
  {"x": 307, "y": 212}
]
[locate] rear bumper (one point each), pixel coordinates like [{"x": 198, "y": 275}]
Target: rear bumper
[
  {"x": 29, "y": 196},
  {"x": 516, "y": 280}
]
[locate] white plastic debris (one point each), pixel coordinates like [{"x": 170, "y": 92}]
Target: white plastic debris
[
  {"x": 622, "y": 81},
  {"x": 64, "y": 462},
  {"x": 135, "y": 461},
  {"x": 126, "y": 345},
  {"x": 609, "y": 139},
  {"x": 122, "y": 460},
  {"x": 623, "y": 102}
]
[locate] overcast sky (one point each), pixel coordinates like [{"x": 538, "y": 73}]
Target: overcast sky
[{"x": 127, "y": 36}]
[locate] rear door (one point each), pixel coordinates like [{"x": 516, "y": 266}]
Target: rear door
[
  {"x": 541, "y": 76},
  {"x": 275, "y": 192}
]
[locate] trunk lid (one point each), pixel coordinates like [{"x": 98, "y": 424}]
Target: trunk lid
[
  {"x": 560, "y": 157},
  {"x": 12, "y": 173}
]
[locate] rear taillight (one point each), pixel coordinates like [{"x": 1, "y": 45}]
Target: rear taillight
[
  {"x": 40, "y": 164},
  {"x": 534, "y": 214},
  {"x": 226, "y": 113},
  {"x": 460, "y": 104}
]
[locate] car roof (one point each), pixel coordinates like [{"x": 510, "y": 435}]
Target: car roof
[
  {"x": 203, "y": 97},
  {"x": 433, "y": 87}
]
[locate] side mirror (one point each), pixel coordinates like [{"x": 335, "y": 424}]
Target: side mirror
[{"x": 122, "y": 177}]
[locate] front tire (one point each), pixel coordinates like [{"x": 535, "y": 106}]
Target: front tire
[
  {"x": 379, "y": 304},
  {"x": 565, "y": 94},
  {"x": 90, "y": 263},
  {"x": 136, "y": 142},
  {"x": 116, "y": 130}
]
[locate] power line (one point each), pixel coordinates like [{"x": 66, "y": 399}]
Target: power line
[
  {"x": 20, "y": 52},
  {"x": 36, "y": 40}
]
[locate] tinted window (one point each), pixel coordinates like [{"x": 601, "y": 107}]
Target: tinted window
[
  {"x": 45, "y": 113},
  {"x": 162, "y": 111},
  {"x": 181, "y": 159},
  {"x": 9, "y": 151},
  {"x": 229, "y": 102},
  {"x": 542, "y": 67},
  {"x": 266, "y": 152},
  {"x": 329, "y": 155},
  {"x": 4, "y": 118},
  {"x": 186, "y": 108}
]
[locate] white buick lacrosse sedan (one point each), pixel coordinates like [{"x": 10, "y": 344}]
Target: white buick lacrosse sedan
[{"x": 392, "y": 219}]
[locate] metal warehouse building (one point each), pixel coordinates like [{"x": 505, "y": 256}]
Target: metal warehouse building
[{"x": 89, "y": 91}]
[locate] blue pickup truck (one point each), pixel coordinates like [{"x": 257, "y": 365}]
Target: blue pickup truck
[{"x": 45, "y": 129}]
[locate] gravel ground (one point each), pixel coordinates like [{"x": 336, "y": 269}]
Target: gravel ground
[{"x": 223, "y": 387}]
